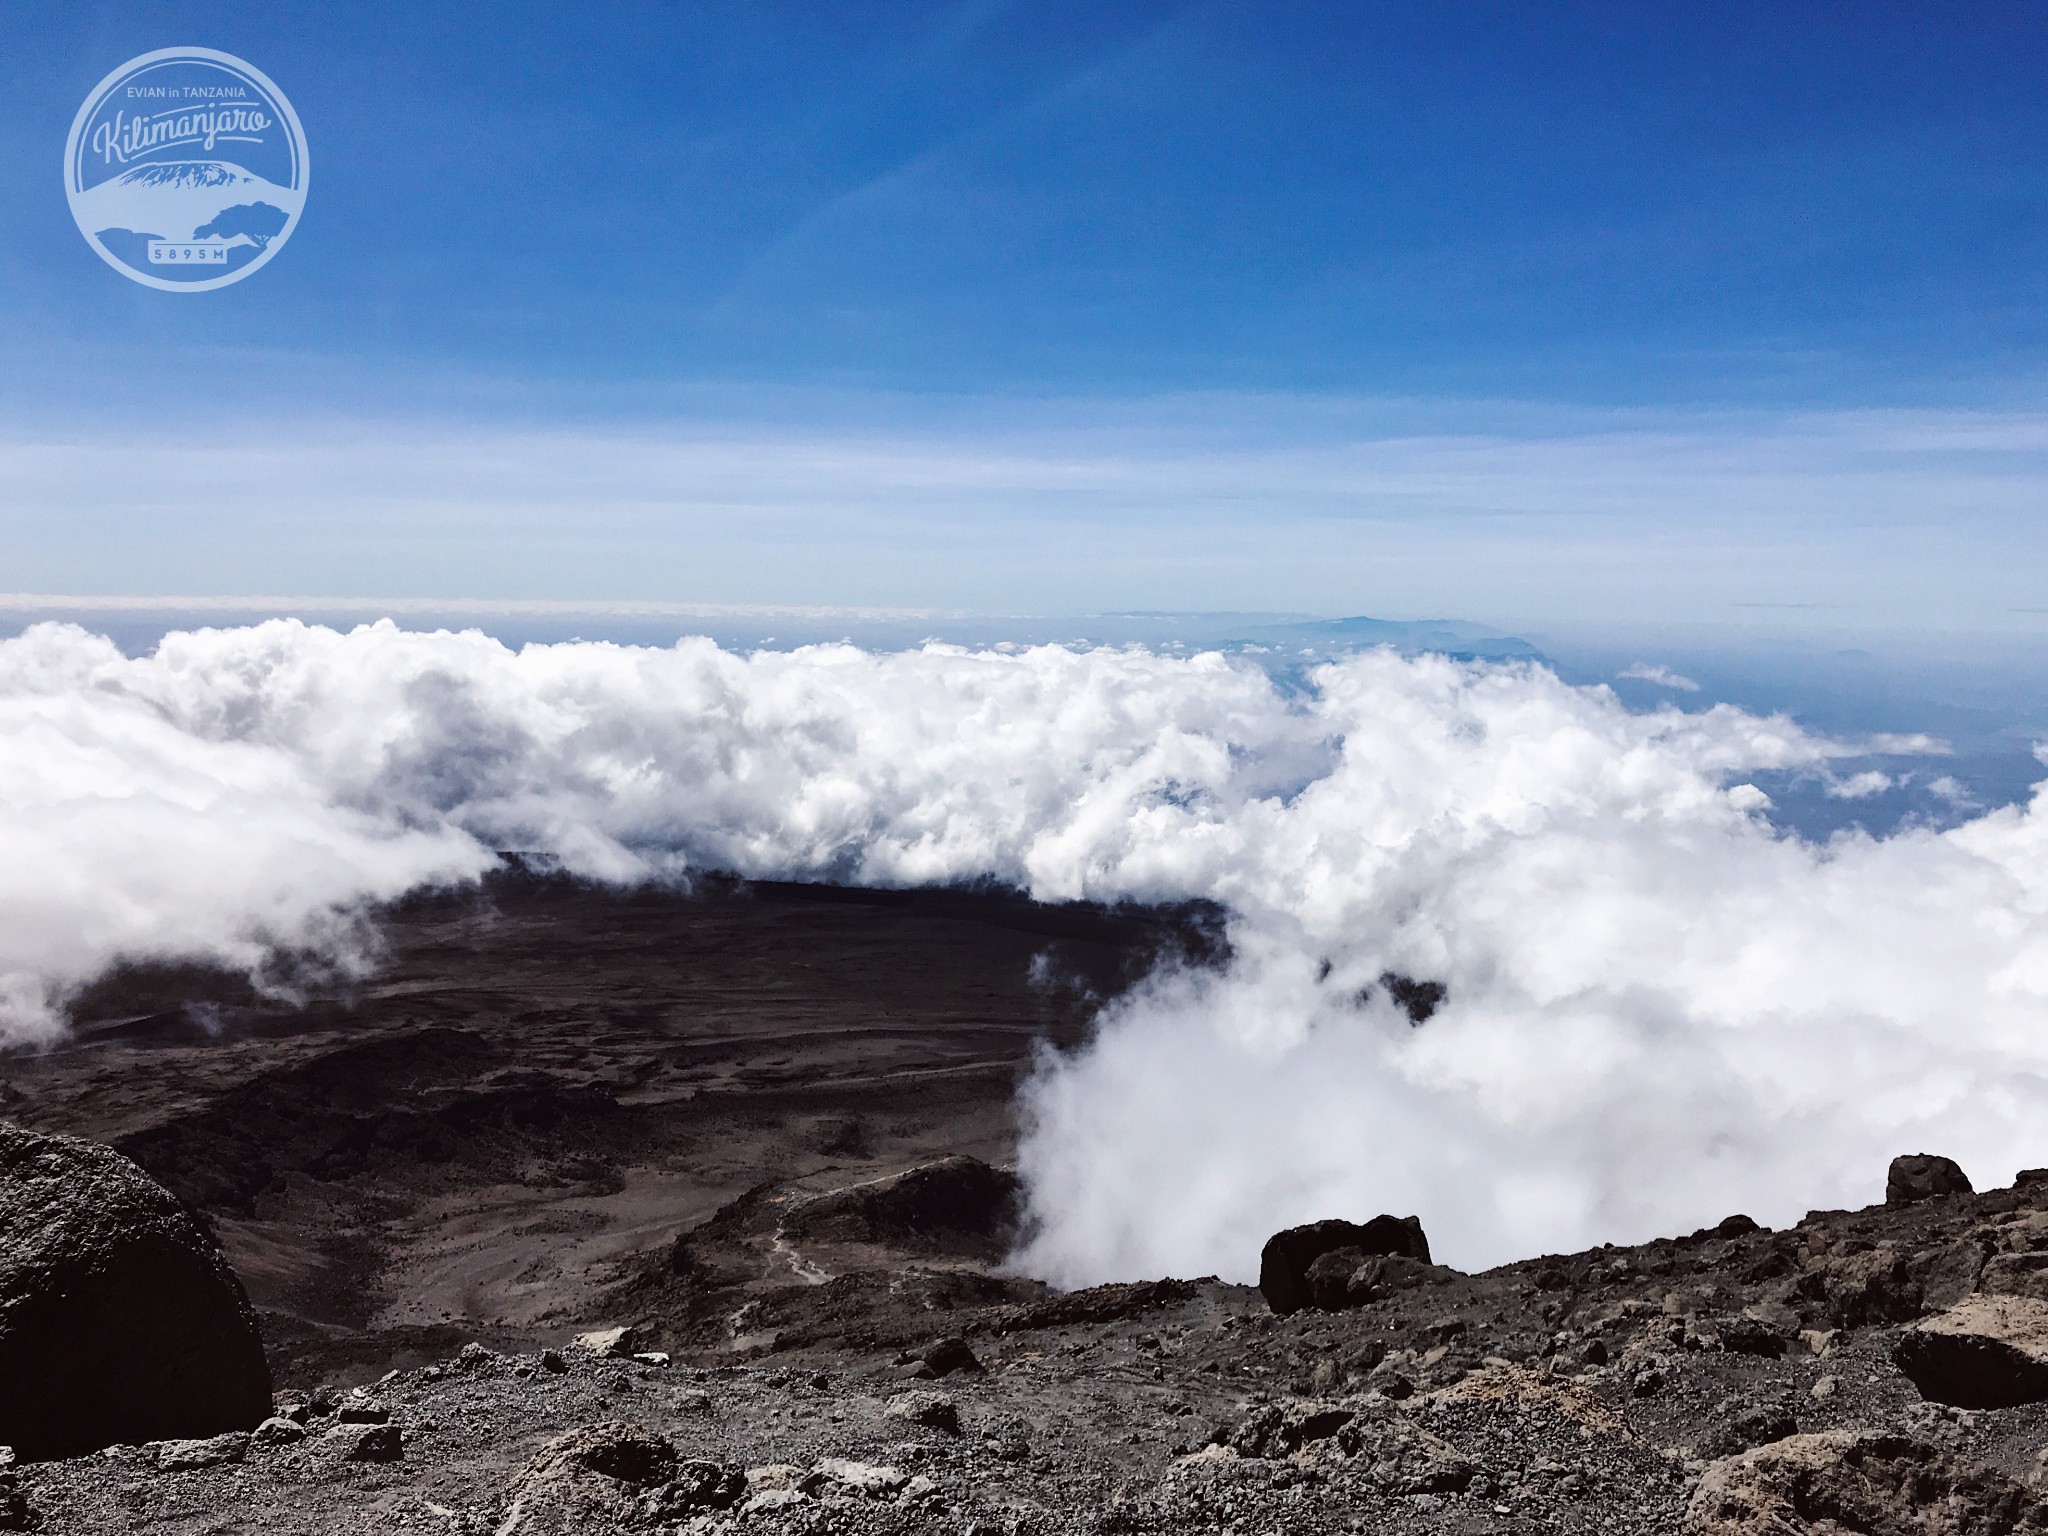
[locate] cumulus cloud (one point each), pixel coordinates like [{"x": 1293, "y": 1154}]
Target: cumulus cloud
[
  {"x": 1659, "y": 1011},
  {"x": 1954, "y": 792},
  {"x": 246, "y": 788},
  {"x": 1659, "y": 1008},
  {"x": 1661, "y": 675},
  {"x": 127, "y": 833}
]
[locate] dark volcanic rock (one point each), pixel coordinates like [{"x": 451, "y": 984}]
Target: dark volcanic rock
[
  {"x": 1418, "y": 999},
  {"x": 1988, "y": 1352},
  {"x": 119, "y": 1319},
  {"x": 1288, "y": 1257},
  {"x": 1920, "y": 1176},
  {"x": 945, "y": 1356},
  {"x": 1351, "y": 1277},
  {"x": 1728, "y": 1226},
  {"x": 1382, "y": 1274},
  {"x": 955, "y": 1205},
  {"x": 1749, "y": 1336},
  {"x": 1875, "y": 1285},
  {"x": 1878, "y": 1484},
  {"x": 1329, "y": 1278}
]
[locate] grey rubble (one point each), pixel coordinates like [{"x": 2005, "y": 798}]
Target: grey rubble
[{"x": 1600, "y": 1391}]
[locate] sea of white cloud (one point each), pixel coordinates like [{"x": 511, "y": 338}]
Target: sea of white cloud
[{"x": 1660, "y": 1007}]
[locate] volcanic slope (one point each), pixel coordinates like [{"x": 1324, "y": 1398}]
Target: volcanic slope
[{"x": 542, "y": 1079}]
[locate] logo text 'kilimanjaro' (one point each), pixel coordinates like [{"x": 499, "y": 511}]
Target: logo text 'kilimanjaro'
[{"x": 120, "y": 140}]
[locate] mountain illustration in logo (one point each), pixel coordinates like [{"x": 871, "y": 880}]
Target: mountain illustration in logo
[{"x": 190, "y": 200}]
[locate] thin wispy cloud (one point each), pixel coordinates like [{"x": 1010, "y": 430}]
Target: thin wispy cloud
[
  {"x": 1909, "y": 518},
  {"x": 1662, "y": 676}
]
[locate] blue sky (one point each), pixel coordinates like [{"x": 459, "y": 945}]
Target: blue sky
[{"x": 1606, "y": 312}]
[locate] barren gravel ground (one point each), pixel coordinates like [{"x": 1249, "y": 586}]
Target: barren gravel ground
[
  {"x": 555, "y": 1110},
  {"x": 1169, "y": 1413}
]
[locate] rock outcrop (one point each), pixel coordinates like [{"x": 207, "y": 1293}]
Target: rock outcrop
[
  {"x": 1986, "y": 1352},
  {"x": 120, "y": 1321},
  {"x": 955, "y": 1205},
  {"x": 1312, "y": 1266},
  {"x": 1922, "y": 1176},
  {"x": 1876, "y": 1483}
]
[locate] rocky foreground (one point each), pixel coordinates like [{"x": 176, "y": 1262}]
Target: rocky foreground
[
  {"x": 1880, "y": 1371},
  {"x": 337, "y": 1276}
]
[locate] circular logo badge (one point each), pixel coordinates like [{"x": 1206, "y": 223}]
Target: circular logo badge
[{"x": 186, "y": 169}]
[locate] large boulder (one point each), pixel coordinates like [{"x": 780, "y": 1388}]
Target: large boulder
[
  {"x": 120, "y": 1321},
  {"x": 1922, "y": 1176},
  {"x": 1287, "y": 1259},
  {"x": 1872, "y": 1482},
  {"x": 1984, "y": 1352}
]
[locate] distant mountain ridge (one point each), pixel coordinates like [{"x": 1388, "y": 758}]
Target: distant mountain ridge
[{"x": 1449, "y": 637}]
